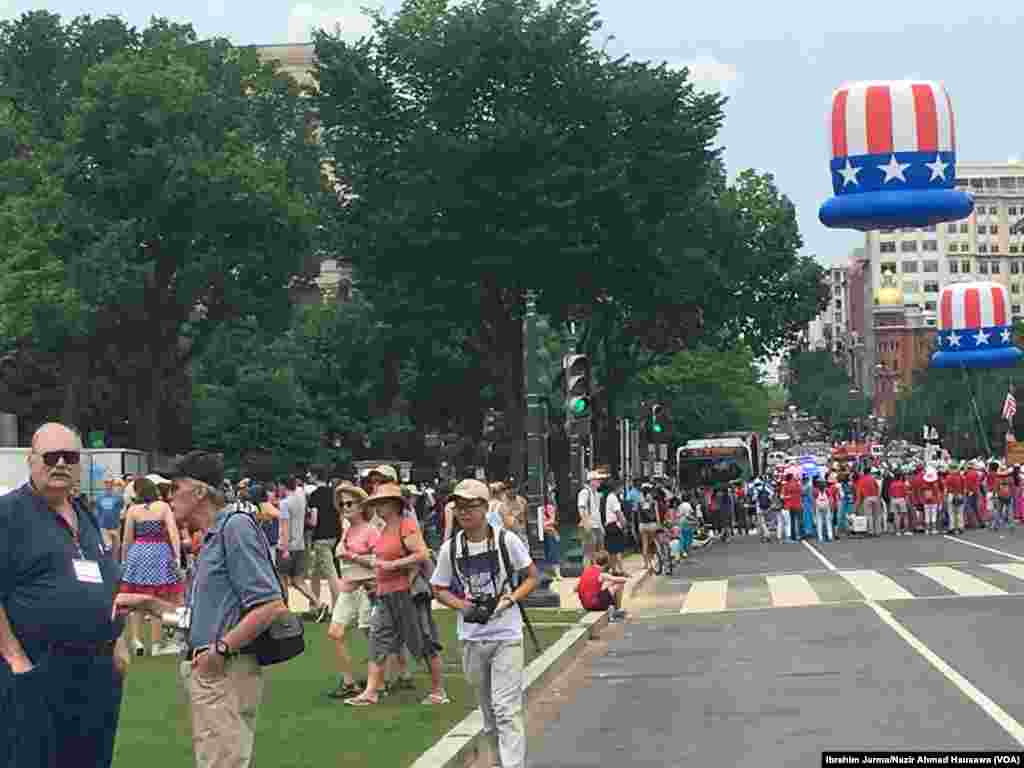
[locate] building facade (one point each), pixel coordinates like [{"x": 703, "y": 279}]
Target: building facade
[{"x": 904, "y": 343}]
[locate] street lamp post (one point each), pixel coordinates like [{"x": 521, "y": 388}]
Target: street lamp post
[{"x": 536, "y": 459}]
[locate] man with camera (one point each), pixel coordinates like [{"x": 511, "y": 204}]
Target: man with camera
[
  {"x": 480, "y": 574},
  {"x": 235, "y": 596}
]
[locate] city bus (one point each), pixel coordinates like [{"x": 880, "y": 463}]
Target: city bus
[{"x": 718, "y": 459}]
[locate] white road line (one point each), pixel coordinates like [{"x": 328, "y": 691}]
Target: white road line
[
  {"x": 987, "y": 549},
  {"x": 989, "y": 707},
  {"x": 876, "y": 586},
  {"x": 1010, "y": 569},
  {"x": 962, "y": 583},
  {"x": 820, "y": 556},
  {"x": 791, "y": 590},
  {"x": 706, "y": 596}
]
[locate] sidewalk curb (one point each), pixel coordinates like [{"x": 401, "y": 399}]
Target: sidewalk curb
[{"x": 461, "y": 743}]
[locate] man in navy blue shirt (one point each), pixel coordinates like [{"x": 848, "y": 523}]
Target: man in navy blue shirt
[{"x": 60, "y": 682}]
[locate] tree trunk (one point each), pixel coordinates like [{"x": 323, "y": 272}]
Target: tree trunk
[
  {"x": 75, "y": 370},
  {"x": 502, "y": 333}
]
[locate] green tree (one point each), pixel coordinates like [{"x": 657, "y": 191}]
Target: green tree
[
  {"x": 490, "y": 148},
  {"x": 177, "y": 194}
]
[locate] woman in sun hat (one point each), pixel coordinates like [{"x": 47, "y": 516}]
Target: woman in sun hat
[{"x": 397, "y": 619}]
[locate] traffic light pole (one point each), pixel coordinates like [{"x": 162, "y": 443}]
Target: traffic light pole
[{"x": 536, "y": 466}]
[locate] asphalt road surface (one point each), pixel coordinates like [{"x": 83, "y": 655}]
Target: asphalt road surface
[{"x": 767, "y": 654}]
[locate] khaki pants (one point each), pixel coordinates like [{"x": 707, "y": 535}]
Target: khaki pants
[
  {"x": 495, "y": 669},
  {"x": 224, "y": 713}
]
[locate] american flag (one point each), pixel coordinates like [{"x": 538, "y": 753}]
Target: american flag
[{"x": 1009, "y": 406}]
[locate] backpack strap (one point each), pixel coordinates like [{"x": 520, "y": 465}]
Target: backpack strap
[
  {"x": 506, "y": 560},
  {"x": 259, "y": 531}
]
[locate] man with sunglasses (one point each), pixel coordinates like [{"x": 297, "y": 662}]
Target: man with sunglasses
[
  {"x": 60, "y": 680},
  {"x": 479, "y": 574}
]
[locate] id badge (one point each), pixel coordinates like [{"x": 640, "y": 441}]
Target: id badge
[{"x": 87, "y": 571}]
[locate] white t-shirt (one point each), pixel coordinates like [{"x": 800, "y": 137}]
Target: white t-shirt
[
  {"x": 612, "y": 509},
  {"x": 589, "y": 502},
  {"x": 484, "y": 558}
]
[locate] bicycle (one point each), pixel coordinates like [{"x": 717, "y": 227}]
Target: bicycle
[{"x": 664, "y": 560}]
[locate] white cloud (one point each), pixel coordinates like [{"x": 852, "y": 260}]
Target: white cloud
[
  {"x": 709, "y": 74},
  {"x": 346, "y": 14}
]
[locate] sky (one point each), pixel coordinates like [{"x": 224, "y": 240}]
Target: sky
[{"x": 777, "y": 62}]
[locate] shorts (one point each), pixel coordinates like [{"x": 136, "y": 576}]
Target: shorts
[
  {"x": 648, "y": 527},
  {"x": 294, "y": 566},
  {"x": 322, "y": 561},
  {"x": 351, "y": 606},
  {"x": 603, "y": 602},
  {"x": 398, "y": 620}
]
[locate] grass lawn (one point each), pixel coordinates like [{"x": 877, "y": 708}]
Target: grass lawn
[{"x": 298, "y": 725}]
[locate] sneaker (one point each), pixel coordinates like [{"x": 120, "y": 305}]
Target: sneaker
[
  {"x": 436, "y": 699},
  {"x": 344, "y": 691}
]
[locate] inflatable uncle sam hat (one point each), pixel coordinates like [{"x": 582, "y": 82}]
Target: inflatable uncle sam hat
[
  {"x": 893, "y": 157},
  {"x": 975, "y": 330}
]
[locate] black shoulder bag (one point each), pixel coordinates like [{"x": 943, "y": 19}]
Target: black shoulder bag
[{"x": 285, "y": 638}]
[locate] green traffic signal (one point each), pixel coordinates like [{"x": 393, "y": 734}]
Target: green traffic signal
[
  {"x": 579, "y": 406},
  {"x": 658, "y": 428}
]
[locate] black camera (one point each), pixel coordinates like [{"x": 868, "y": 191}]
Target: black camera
[{"x": 482, "y": 609}]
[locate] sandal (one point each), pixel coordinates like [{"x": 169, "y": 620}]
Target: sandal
[
  {"x": 361, "y": 701},
  {"x": 437, "y": 699},
  {"x": 345, "y": 691}
]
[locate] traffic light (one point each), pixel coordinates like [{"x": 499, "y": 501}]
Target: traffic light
[
  {"x": 658, "y": 419},
  {"x": 577, "y": 386},
  {"x": 492, "y": 423}
]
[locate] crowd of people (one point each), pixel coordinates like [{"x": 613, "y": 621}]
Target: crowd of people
[{"x": 215, "y": 562}]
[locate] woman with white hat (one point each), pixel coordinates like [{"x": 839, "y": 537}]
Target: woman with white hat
[{"x": 931, "y": 495}]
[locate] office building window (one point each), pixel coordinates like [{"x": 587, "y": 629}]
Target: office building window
[
  {"x": 1007, "y": 182},
  {"x": 995, "y": 247},
  {"x": 1015, "y": 267},
  {"x": 995, "y": 267},
  {"x": 994, "y": 229},
  {"x": 954, "y": 267},
  {"x": 1014, "y": 287},
  {"x": 982, "y": 267},
  {"x": 993, "y": 210},
  {"x": 954, "y": 247},
  {"x": 1012, "y": 210},
  {"x": 888, "y": 266},
  {"x": 930, "y": 245},
  {"x": 931, "y": 286},
  {"x": 929, "y": 306},
  {"x": 982, "y": 229},
  {"x": 1014, "y": 248},
  {"x": 965, "y": 247},
  {"x": 910, "y": 286},
  {"x": 963, "y": 227},
  {"x": 982, "y": 248},
  {"x": 839, "y": 303},
  {"x": 965, "y": 267},
  {"x": 909, "y": 267},
  {"x": 930, "y": 266},
  {"x": 887, "y": 247},
  {"x": 908, "y": 246},
  {"x": 951, "y": 227},
  {"x": 991, "y": 183},
  {"x": 1015, "y": 309}
]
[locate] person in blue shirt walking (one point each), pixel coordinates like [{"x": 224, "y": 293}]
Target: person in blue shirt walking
[{"x": 109, "y": 506}]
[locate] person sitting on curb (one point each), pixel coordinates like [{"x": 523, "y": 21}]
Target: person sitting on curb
[{"x": 599, "y": 590}]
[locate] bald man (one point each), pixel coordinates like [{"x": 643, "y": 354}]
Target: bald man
[{"x": 60, "y": 682}]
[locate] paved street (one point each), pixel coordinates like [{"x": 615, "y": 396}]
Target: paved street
[{"x": 754, "y": 655}]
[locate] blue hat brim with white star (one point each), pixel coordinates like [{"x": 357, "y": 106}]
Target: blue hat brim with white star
[{"x": 884, "y": 209}]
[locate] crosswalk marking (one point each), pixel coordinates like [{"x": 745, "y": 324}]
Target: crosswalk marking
[
  {"x": 791, "y": 590},
  {"x": 908, "y": 583},
  {"x": 1010, "y": 569},
  {"x": 706, "y": 596},
  {"x": 876, "y": 586},
  {"x": 959, "y": 582}
]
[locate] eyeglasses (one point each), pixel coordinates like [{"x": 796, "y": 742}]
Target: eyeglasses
[
  {"x": 467, "y": 506},
  {"x": 50, "y": 458}
]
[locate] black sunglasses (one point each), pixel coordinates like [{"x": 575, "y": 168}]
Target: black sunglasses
[{"x": 50, "y": 458}]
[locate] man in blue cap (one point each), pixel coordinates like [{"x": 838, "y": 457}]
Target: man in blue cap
[{"x": 60, "y": 681}]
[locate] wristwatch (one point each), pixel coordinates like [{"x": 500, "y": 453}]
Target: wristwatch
[{"x": 223, "y": 649}]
